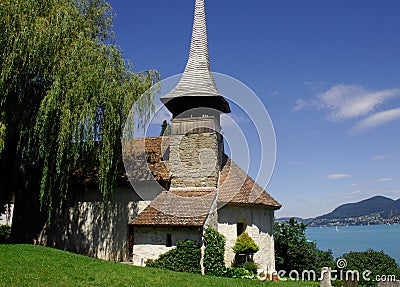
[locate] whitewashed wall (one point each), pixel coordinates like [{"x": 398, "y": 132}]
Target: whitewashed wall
[
  {"x": 96, "y": 228},
  {"x": 6, "y": 217},
  {"x": 259, "y": 221},
  {"x": 149, "y": 242}
]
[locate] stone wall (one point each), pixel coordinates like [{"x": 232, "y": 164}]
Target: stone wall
[
  {"x": 6, "y": 217},
  {"x": 212, "y": 217},
  {"x": 150, "y": 242},
  {"x": 194, "y": 160},
  {"x": 95, "y": 228},
  {"x": 258, "y": 224}
]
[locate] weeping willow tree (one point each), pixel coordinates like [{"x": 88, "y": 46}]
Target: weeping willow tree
[{"x": 65, "y": 93}]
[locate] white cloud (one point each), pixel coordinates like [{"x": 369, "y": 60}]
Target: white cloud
[
  {"x": 376, "y": 120},
  {"x": 345, "y": 102},
  {"x": 350, "y": 197},
  {"x": 379, "y": 157},
  {"x": 302, "y": 104},
  {"x": 355, "y": 192},
  {"x": 385, "y": 179},
  {"x": 274, "y": 93},
  {"x": 348, "y": 101},
  {"x": 354, "y": 184},
  {"x": 338, "y": 175}
]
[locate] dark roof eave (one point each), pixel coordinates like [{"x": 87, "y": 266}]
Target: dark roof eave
[
  {"x": 275, "y": 207},
  {"x": 166, "y": 225}
]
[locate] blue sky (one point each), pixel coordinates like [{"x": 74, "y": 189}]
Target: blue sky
[{"x": 327, "y": 72}]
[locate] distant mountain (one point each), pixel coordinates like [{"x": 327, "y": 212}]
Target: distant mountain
[
  {"x": 376, "y": 204},
  {"x": 375, "y": 210}
]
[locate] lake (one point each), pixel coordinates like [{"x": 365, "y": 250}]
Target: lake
[{"x": 357, "y": 238}]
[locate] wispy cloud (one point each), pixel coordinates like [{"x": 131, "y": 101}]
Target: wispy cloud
[
  {"x": 354, "y": 184},
  {"x": 274, "y": 93},
  {"x": 355, "y": 192},
  {"x": 385, "y": 179},
  {"x": 379, "y": 157},
  {"x": 343, "y": 102},
  {"x": 376, "y": 120},
  {"x": 338, "y": 175},
  {"x": 350, "y": 197},
  {"x": 348, "y": 101}
]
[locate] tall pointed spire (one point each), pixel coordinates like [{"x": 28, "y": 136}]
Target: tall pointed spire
[{"x": 197, "y": 80}]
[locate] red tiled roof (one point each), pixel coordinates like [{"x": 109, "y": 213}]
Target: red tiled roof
[
  {"x": 191, "y": 207},
  {"x": 235, "y": 186},
  {"x": 144, "y": 160},
  {"x": 177, "y": 208}
]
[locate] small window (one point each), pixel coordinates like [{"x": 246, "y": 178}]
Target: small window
[
  {"x": 165, "y": 156},
  {"x": 239, "y": 228},
  {"x": 169, "y": 240}
]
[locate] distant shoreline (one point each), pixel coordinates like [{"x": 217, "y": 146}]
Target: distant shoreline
[
  {"x": 377, "y": 210},
  {"x": 343, "y": 239}
]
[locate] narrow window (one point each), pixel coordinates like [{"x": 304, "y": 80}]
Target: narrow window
[
  {"x": 169, "y": 240},
  {"x": 239, "y": 228}
]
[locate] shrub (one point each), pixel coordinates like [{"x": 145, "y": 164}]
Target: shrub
[
  {"x": 294, "y": 252},
  {"x": 184, "y": 258},
  {"x": 214, "y": 252},
  {"x": 337, "y": 283},
  {"x": 5, "y": 233},
  {"x": 245, "y": 244},
  {"x": 250, "y": 266},
  {"x": 238, "y": 273},
  {"x": 378, "y": 263},
  {"x": 149, "y": 262}
]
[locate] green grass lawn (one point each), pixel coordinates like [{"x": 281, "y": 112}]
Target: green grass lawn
[{"x": 27, "y": 265}]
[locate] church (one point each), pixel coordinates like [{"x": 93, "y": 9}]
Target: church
[
  {"x": 204, "y": 186},
  {"x": 198, "y": 184}
]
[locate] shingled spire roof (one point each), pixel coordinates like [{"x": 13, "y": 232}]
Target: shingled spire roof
[{"x": 197, "y": 80}]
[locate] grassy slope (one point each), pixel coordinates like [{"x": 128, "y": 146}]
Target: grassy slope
[{"x": 27, "y": 265}]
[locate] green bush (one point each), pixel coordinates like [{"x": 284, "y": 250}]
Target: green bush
[
  {"x": 234, "y": 272},
  {"x": 5, "y": 233},
  {"x": 337, "y": 283},
  {"x": 184, "y": 258},
  {"x": 245, "y": 244},
  {"x": 250, "y": 266},
  {"x": 238, "y": 273},
  {"x": 294, "y": 252},
  {"x": 214, "y": 252},
  {"x": 378, "y": 263}
]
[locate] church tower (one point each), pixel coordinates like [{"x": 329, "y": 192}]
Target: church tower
[{"x": 196, "y": 142}]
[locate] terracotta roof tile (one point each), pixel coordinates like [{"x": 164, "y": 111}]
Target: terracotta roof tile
[
  {"x": 177, "y": 208},
  {"x": 144, "y": 158},
  {"x": 235, "y": 186}
]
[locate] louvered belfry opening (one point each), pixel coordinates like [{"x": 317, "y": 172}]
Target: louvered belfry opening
[{"x": 196, "y": 88}]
